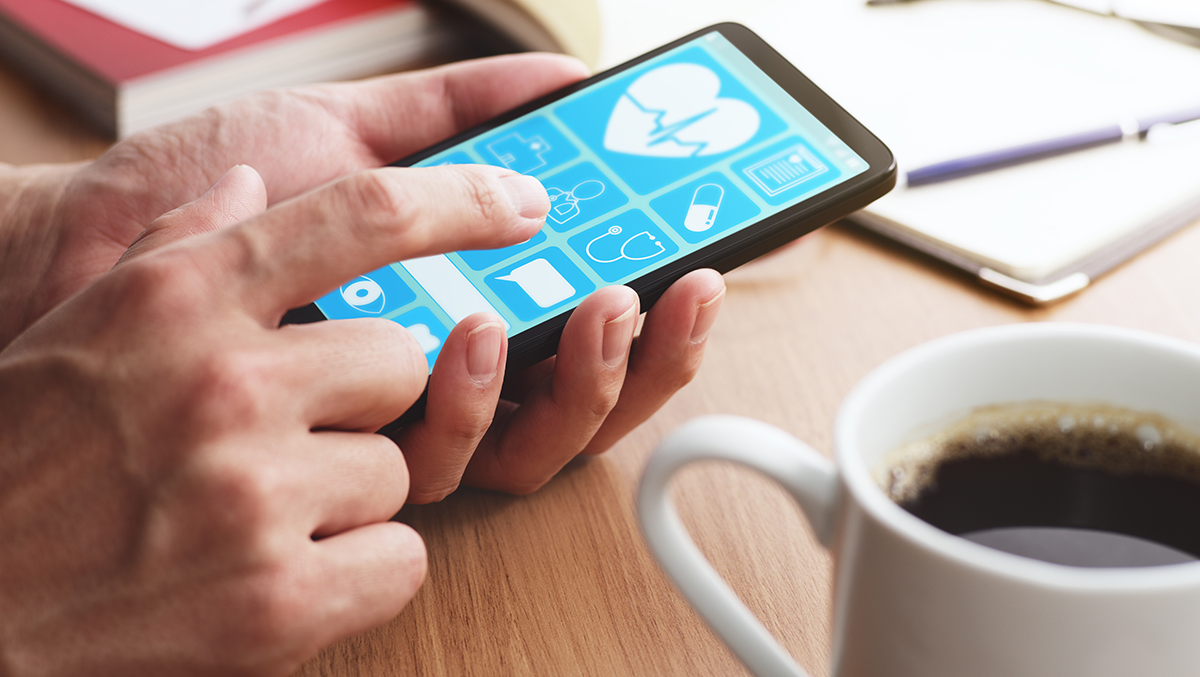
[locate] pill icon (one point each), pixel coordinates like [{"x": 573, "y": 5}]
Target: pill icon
[{"x": 702, "y": 212}]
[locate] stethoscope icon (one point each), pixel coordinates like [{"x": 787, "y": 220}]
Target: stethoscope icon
[{"x": 616, "y": 230}]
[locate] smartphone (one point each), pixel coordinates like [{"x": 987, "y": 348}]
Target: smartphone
[{"x": 707, "y": 152}]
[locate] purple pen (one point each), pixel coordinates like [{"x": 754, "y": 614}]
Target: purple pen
[{"x": 1130, "y": 129}]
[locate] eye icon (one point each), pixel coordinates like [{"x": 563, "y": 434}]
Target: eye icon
[{"x": 364, "y": 295}]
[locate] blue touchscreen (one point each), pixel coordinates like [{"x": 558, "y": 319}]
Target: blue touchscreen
[{"x": 641, "y": 169}]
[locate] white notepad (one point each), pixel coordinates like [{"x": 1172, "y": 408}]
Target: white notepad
[{"x": 939, "y": 79}]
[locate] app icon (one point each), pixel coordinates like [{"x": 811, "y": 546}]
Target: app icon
[
  {"x": 580, "y": 194},
  {"x": 368, "y": 295},
  {"x": 675, "y": 111},
  {"x": 539, "y": 283},
  {"x": 479, "y": 259},
  {"x": 669, "y": 118},
  {"x": 623, "y": 245},
  {"x": 531, "y": 147},
  {"x": 699, "y": 210},
  {"x": 702, "y": 211},
  {"x": 364, "y": 295},
  {"x": 786, "y": 171},
  {"x": 427, "y": 329},
  {"x": 564, "y": 204}
]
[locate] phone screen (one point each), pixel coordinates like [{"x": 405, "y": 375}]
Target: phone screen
[{"x": 644, "y": 168}]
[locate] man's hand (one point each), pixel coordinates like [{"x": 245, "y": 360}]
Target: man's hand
[
  {"x": 504, "y": 431},
  {"x": 187, "y": 488},
  {"x": 61, "y": 227}
]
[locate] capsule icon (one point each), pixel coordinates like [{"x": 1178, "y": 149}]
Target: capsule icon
[{"x": 702, "y": 212}]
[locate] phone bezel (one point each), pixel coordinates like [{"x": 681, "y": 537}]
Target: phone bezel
[{"x": 540, "y": 341}]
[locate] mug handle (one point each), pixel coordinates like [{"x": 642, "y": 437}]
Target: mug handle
[{"x": 807, "y": 475}]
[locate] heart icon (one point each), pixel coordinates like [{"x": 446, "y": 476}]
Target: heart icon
[{"x": 675, "y": 111}]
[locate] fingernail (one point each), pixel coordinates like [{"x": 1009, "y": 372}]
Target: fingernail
[
  {"x": 526, "y": 195},
  {"x": 483, "y": 351},
  {"x": 706, "y": 316},
  {"x": 618, "y": 334}
]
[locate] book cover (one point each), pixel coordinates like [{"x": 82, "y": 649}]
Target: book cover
[{"x": 112, "y": 73}]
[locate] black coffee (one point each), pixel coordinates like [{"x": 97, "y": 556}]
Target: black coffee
[{"x": 1058, "y": 467}]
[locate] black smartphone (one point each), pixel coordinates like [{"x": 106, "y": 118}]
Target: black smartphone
[{"x": 706, "y": 152}]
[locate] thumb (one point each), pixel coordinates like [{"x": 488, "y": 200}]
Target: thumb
[{"x": 236, "y": 196}]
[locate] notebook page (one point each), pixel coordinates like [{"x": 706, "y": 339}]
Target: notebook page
[{"x": 940, "y": 79}]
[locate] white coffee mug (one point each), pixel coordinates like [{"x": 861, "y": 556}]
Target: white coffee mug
[{"x": 911, "y": 600}]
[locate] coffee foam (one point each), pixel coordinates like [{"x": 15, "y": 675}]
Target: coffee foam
[{"x": 1097, "y": 437}]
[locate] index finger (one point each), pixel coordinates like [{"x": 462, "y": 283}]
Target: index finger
[
  {"x": 294, "y": 253},
  {"x": 398, "y": 115}
]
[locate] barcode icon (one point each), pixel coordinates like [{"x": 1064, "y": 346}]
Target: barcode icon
[{"x": 784, "y": 170}]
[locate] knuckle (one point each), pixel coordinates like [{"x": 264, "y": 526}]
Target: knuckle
[
  {"x": 674, "y": 375},
  {"x": 245, "y": 496},
  {"x": 468, "y": 430},
  {"x": 229, "y": 391},
  {"x": 379, "y": 202},
  {"x": 163, "y": 290},
  {"x": 601, "y": 405},
  {"x": 156, "y": 283},
  {"x": 482, "y": 194},
  {"x": 273, "y": 610}
]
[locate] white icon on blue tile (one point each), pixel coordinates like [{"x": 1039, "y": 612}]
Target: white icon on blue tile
[
  {"x": 369, "y": 295},
  {"x": 364, "y": 295},
  {"x": 786, "y": 171},
  {"x": 531, "y": 147},
  {"x": 699, "y": 210},
  {"x": 520, "y": 154},
  {"x": 617, "y": 241},
  {"x": 623, "y": 245},
  {"x": 676, "y": 111},
  {"x": 564, "y": 204},
  {"x": 580, "y": 194},
  {"x": 540, "y": 283},
  {"x": 672, "y": 117},
  {"x": 702, "y": 210},
  {"x": 427, "y": 329}
]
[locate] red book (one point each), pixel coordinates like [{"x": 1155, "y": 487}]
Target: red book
[{"x": 124, "y": 80}]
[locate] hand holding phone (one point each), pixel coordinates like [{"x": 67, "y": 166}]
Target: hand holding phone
[{"x": 707, "y": 152}]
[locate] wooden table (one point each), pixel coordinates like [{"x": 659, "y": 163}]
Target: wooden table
[{"x": 559, "y": 583}]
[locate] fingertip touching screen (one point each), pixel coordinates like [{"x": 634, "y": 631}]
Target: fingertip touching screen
[{"x": 642, "y": 169}]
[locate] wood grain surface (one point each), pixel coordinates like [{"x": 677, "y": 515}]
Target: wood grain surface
[{"x": 559, "y": 582}]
